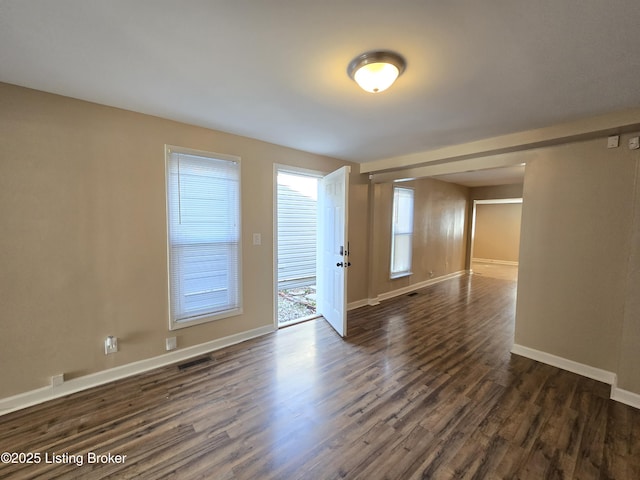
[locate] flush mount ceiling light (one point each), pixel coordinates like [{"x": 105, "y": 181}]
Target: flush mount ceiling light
[{"x": 376, "y": 71}]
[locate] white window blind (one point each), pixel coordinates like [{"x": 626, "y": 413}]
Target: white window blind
[
  {"x": 203, "y": 217},
  {"x": 402, "y": 232}
]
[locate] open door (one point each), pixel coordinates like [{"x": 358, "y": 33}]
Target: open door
[{"x": 333, "y": 248}]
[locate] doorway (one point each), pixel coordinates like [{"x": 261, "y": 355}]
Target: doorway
[
  {"x": 296, "y": 245},
  {"x": 311, "y": 247},
  {"x": 495, "y": 238}
]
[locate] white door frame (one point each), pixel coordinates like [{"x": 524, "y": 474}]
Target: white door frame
[{"x": 279, "y": 167}]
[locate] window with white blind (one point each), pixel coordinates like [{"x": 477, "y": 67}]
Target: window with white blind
[
  {"x": 203, "y": 220},
  {"x": 401, "y": 232}
]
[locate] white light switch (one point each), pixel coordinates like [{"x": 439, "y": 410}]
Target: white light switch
[
  {"x": 613, "y": 141},
  {"x": 257, "y": 239},
  {"x": 634, "y": 143}
]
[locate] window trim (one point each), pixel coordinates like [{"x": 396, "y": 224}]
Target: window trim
[
  {"x": 405, "y": 273},
  {"x": 204, "y": 318}
]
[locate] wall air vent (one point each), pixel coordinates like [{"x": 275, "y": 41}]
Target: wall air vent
[{"x": 193, "y": 363}]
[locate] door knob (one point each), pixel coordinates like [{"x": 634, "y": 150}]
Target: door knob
[{"x": 339, "y": 264}]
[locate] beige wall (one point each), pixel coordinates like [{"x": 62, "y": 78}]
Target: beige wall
[
  {"x": 439, "y": 240},
  {"x": 497, "y": 231},
  {"x": 576, "y": 257},
  {"x": 494, "y": 192},
  {"x": 358, "y": 272},
  {"x": 628, "y": 371},
  {"x": 83, "y": 243},
  {"x": 83, "y": 249}
]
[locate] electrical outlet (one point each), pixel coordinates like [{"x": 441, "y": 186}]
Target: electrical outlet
[
  {"x": 634, "y": 143},
  {"x": 110, "y": 345},
  {"x": 171, "y": 343},
  {"x": 57, "y": 380},
  {"x": 613, "y": 141}
]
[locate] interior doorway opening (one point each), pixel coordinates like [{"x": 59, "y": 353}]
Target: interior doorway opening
[
  {"x": 296, "y": 246},
  {"x": 495, "y": 238}
]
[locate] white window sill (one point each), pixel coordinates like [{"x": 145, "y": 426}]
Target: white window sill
[
  {"x": 199, "y": 320},
  {"x": 400, "y": 275}
]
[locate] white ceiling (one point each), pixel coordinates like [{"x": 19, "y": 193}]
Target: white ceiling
[{"x": 275, "y": 70}]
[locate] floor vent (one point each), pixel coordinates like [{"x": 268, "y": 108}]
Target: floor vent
[
  {"x": 412, "y": 294},
  {"x": 193, "y": 363}
]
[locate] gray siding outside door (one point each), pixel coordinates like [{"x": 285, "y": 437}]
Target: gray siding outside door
[{"x": 296, "y": 238}]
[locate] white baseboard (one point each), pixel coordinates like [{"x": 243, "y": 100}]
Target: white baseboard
[
  {"x": 357, "y": 304},
  {"x": 415, "y": 286},
  {"x": 626, "y": 397},
  {"x": 365, "y": 302},
  {"x": 372, "y": 302},
  {"x": 617, "y": 394},
  {"x": 40, "y": 395},
  {"x": 569, "y": 365},
  {"x": 496, "y": 262}
]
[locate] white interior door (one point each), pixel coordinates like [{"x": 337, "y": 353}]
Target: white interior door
[{"x": 332, "y": 252}]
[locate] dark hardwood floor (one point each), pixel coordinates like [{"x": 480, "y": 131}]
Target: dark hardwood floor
[{"x": 424, "y": 387}]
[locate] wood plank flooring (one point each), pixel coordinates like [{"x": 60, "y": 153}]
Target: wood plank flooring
[
  {"x": 424, "y": 387},
  {"x": 495, "y": 270}
]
